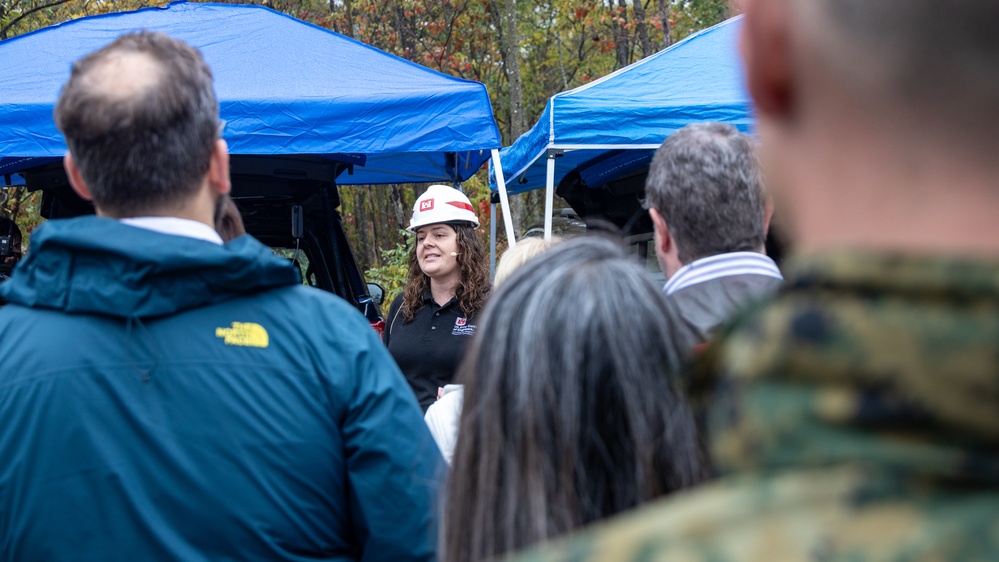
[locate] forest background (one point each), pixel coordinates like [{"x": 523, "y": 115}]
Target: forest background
[{"x": 524, "y": 51}]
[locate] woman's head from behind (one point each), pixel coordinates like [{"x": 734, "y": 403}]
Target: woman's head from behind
[
  {"x": 525, "y": 250},
  {"x": 572, "y": 412}
]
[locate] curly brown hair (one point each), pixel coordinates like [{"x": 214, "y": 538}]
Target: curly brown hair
[{"x": 473, "y": 285}]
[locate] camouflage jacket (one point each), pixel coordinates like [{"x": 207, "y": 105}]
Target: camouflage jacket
[{"x": 854, "y": 417}]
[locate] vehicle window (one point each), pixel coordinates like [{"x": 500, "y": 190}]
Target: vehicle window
[
  {"x": 302, "y": 261},
  {"x": 643, "y": 247}
]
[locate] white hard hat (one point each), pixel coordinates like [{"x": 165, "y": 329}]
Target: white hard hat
[{"x": 441, "y": 203}]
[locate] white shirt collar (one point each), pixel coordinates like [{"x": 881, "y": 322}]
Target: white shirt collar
[
  {"x": 177, "y": 227},
  {"x": 721, "y": 265}
]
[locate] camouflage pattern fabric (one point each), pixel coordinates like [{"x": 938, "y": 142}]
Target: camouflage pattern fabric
[{"x": 855, "y": 417}]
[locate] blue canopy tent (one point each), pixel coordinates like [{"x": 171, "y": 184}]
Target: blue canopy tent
[
  {"x": 633, "y": 110},
  {"x": 285, "y": 87}
]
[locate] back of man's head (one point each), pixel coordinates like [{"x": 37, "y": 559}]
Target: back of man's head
[
  {"x": 140, "y": 118},
  {"x": 705, "y": 182},
  {"x": 877, "y": 120},
  {"x": 931, "y": 65}
]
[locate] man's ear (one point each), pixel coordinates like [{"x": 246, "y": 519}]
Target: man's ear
[
  {"x": 75, "y": 177},
  {"x": 765, "y": 44},
  {"x": 768, "y": 213},
  {"x": 663, "y": 239},
  {"x": 218, "y": 168}
]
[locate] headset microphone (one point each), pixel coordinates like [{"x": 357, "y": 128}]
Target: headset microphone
[{"x": 454, "y": 253}]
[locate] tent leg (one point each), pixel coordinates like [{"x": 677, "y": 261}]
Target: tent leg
[
  {"x": 549, "y": 194},
  {"x": 492, "y": 241},
  {"x": 504, "y": 199}
]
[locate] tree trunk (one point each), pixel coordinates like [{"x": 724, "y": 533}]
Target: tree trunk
[
  {"x": 619, "y": 21},
  {"x": 642, "y": 29},
  {"x": 510, "y": 49},
  {"x": 406, "y": 34},
  {"x": 399, "y": 211},
  {"x": 664, "y": 17},
  {"x": 376, "y": 211},
  {"x": 348, "y": 10}
]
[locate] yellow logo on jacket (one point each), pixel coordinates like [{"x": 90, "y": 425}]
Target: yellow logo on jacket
[{"x": 244, "y": 334}]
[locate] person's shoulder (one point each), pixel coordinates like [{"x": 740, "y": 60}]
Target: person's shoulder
[
  {"x": 307, "y": 304},
  {"x": 443, "y": 416},
  {"x": 798, "y": 515},
  {"x": 448, "y": 406},
  {"x": 303, "y": 295},
  {"x": 396, "y": 303}
]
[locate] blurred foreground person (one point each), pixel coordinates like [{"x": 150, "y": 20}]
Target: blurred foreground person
[
  {"x": 857, "y": 416},
  {"x": 526, "y": 250},
  {"x": 442, "y": 416},
  {"x": 572, "y": 411},
  {"x": 707, "y": 205},
  {"x": 172, "y": 398},
  {"x": 430, "y": 324}
]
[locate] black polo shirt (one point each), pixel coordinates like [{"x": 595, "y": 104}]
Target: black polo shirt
[{"x": 428, "y": 349}]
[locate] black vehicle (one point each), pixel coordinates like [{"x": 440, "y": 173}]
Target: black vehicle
[
  {"x": 611, "y": 187},
  {"x": 287, "y": 202}
]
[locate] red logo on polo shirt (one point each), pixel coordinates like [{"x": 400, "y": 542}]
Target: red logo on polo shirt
[
  {"x": 462, "y": 327},
  {"x": 426, "y": 205}
]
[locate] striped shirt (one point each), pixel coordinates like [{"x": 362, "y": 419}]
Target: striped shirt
[{"x": 721, "y": 265}]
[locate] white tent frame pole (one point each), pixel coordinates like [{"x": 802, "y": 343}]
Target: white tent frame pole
[
  {"x": 492, "y": 242},
  {"x": 549, "y": 194},
  {"x": 511, "y": 239}
]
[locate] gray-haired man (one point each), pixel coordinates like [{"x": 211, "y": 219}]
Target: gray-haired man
[{"x": 708, "y": 208}]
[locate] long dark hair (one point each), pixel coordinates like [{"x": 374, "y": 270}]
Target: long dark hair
[
  {"x": 473, "y": 284},
  {"x": 572, "y": 408}
]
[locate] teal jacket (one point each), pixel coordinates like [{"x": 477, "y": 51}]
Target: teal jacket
[{"x": 165, "y": 398}]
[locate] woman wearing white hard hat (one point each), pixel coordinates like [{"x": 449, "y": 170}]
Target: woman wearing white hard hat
[{"x": 430, "y": 323}]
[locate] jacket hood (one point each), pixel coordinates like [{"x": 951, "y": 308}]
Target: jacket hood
[{"x": 96, "y": 265}]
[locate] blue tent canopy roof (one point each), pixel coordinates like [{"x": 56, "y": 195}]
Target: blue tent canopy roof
[
  {"x": 635, "y": 108},
  {"x": 284, "y": 86}
]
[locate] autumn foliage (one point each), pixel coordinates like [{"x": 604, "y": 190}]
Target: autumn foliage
[{"x": 563, "y": 44}]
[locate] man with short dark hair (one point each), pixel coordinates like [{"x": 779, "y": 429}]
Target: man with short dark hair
[
  {"x": 856, "y": 415},
  {"x": 169, "y": 397},
  {"x": 707, "y": 205}
]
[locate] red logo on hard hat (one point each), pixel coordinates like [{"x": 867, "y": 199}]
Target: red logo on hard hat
[
  {"x": 427, "y": 204},
  {"x": 461, "y": 205}
]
